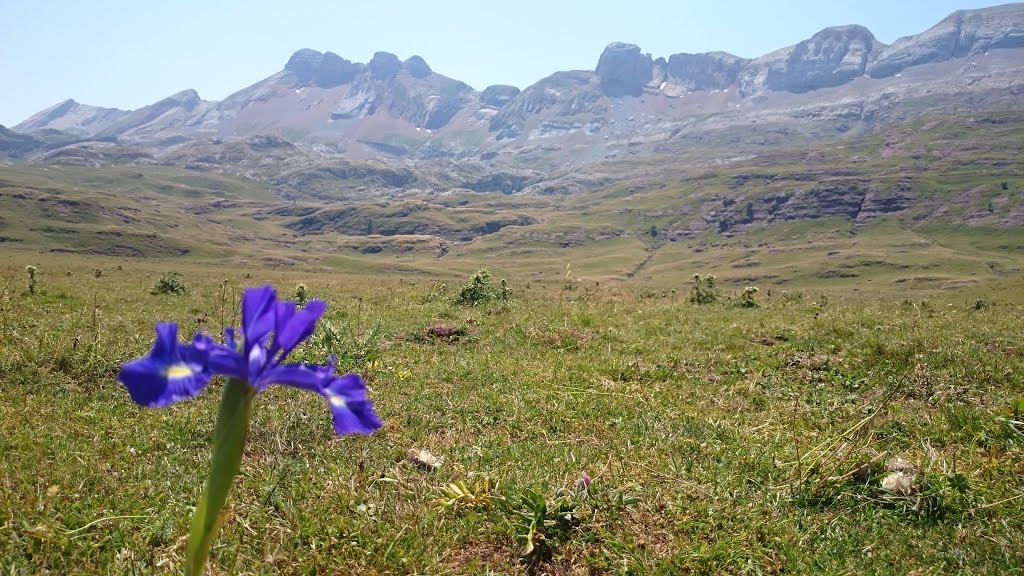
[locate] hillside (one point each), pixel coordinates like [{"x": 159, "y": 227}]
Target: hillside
[{"x": 941, "y": 195}]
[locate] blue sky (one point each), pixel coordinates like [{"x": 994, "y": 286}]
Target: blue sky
[{"x": 130, "y": 53}]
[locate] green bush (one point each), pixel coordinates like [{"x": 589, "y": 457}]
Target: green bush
[
  {"x": 480, "y": 290},
  {"x": 170, "y": 283},
  {"x": 704, "y": 290}
]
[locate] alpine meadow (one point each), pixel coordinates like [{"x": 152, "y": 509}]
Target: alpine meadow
[{"x": 683, "y": 314}]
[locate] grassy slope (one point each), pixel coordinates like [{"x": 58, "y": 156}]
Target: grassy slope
[
  {"x": 698, "y": 425},
  {"x": 960, "y": 164}
]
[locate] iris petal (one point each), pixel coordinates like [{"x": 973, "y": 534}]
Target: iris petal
[
  {"x": 229, "y": 338},
  {"x": 166, "y": 338},
  {"x": 227, "y": 362},
  {"x": 258, "y": 306},
  {"x": 305, "y": 376},
  {"x": 355, "y": 417},
  {"x": 171, "y": 372},
  {"x": 298, "y": 326},
  {"x": 350, "y": 410},
  {"x": 257, "y": 362}
]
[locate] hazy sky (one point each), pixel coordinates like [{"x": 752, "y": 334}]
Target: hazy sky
[{"x": 130, "y": 53}]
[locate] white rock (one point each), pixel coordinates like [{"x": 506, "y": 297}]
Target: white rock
[{"x": 898, "y": 483}]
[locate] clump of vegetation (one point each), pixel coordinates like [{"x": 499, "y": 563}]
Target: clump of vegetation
[
  {"x": 791, "y": 297},
  {"x": 351, "y": 350},
  {"x": 170, "y": 283},
  {"x": 480, "y": 493},
  {"x": 568, "y": 282},
  {"x": 704, "y": 290},
  {"x": 32, "y": 271},
  {"x": 480, "y": 290},
  {"x": 301, "y": 295},
  {"x": 982, "y": 304},
  {"x": 542, "y": 521},
  {"x": 747, "y": 297},
  {"x": 438, "y": 291}
]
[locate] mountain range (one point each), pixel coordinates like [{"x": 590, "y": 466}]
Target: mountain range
[
  {"x": 840, "y": 81},
  {"x": 638, "y": 165}
]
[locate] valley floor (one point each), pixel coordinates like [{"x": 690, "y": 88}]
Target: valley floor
[{"x": 716, "y": 438}]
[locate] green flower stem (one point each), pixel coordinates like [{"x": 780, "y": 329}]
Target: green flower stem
[{"x": 228, "y": 441}]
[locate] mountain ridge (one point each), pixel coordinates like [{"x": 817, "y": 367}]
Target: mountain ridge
[{"x": 840, "y": 80}]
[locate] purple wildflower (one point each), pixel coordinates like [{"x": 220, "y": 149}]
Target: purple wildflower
[{"x": 271, "y": 330}]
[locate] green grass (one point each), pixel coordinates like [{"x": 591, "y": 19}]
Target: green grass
[{"x": 718, "y": 438}]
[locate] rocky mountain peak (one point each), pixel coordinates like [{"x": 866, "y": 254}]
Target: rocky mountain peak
[
  {"x": 186, "y": 99},
  {"x": 72, "y": 117},
  {"x": 832, "y": 57},
  {"x": 364, "y": 108},
  {"x": 335, "y": 70},
  {"x": 323, "y": 69},
  {"x": 962, "y": 33},
  {"x": 623, "y": 70},
  {"x": 417, "y": 67},
  {"x": 384, "y": 65},
  {"x": 305, "y": 64},
  {"x": 498, "y": 95}
]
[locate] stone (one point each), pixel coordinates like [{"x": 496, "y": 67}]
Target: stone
[{"x": 899, "y": 484}]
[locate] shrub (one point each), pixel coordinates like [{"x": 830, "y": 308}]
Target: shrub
[
  {"x": 31, "y": 271},
  {"x": 747, "y": 297},
  {"x": 170, "y": 283},
  {"x": 480, "y": 290},
  {"x": 301, "y": 295},
  {"x": 704, "y": 290}
]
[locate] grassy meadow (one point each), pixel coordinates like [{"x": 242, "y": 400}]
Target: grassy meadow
[{"x": 717, "y": 438}]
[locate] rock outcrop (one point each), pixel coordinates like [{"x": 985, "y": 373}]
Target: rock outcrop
[
  {"x": 498, "y": 95},
  {"x": 335, "y": 70},
  {"x": 305, "y": 64},
  {"x": 384, "y": 66},
  {"x": 831, "y": 57},
  {"x": 709, "y": 71},
  {"x": 623, "y": 70},
  {"x": 417, "y": 67},
  {"x": 324, "y": 70}
]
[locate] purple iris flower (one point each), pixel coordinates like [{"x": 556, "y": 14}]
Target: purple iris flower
[{"x": 270, "y": 331}]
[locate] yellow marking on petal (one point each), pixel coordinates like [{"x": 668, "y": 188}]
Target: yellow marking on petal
[
  {"x": 178, "y": 371},
  {"x": 335, "y": 400}
]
